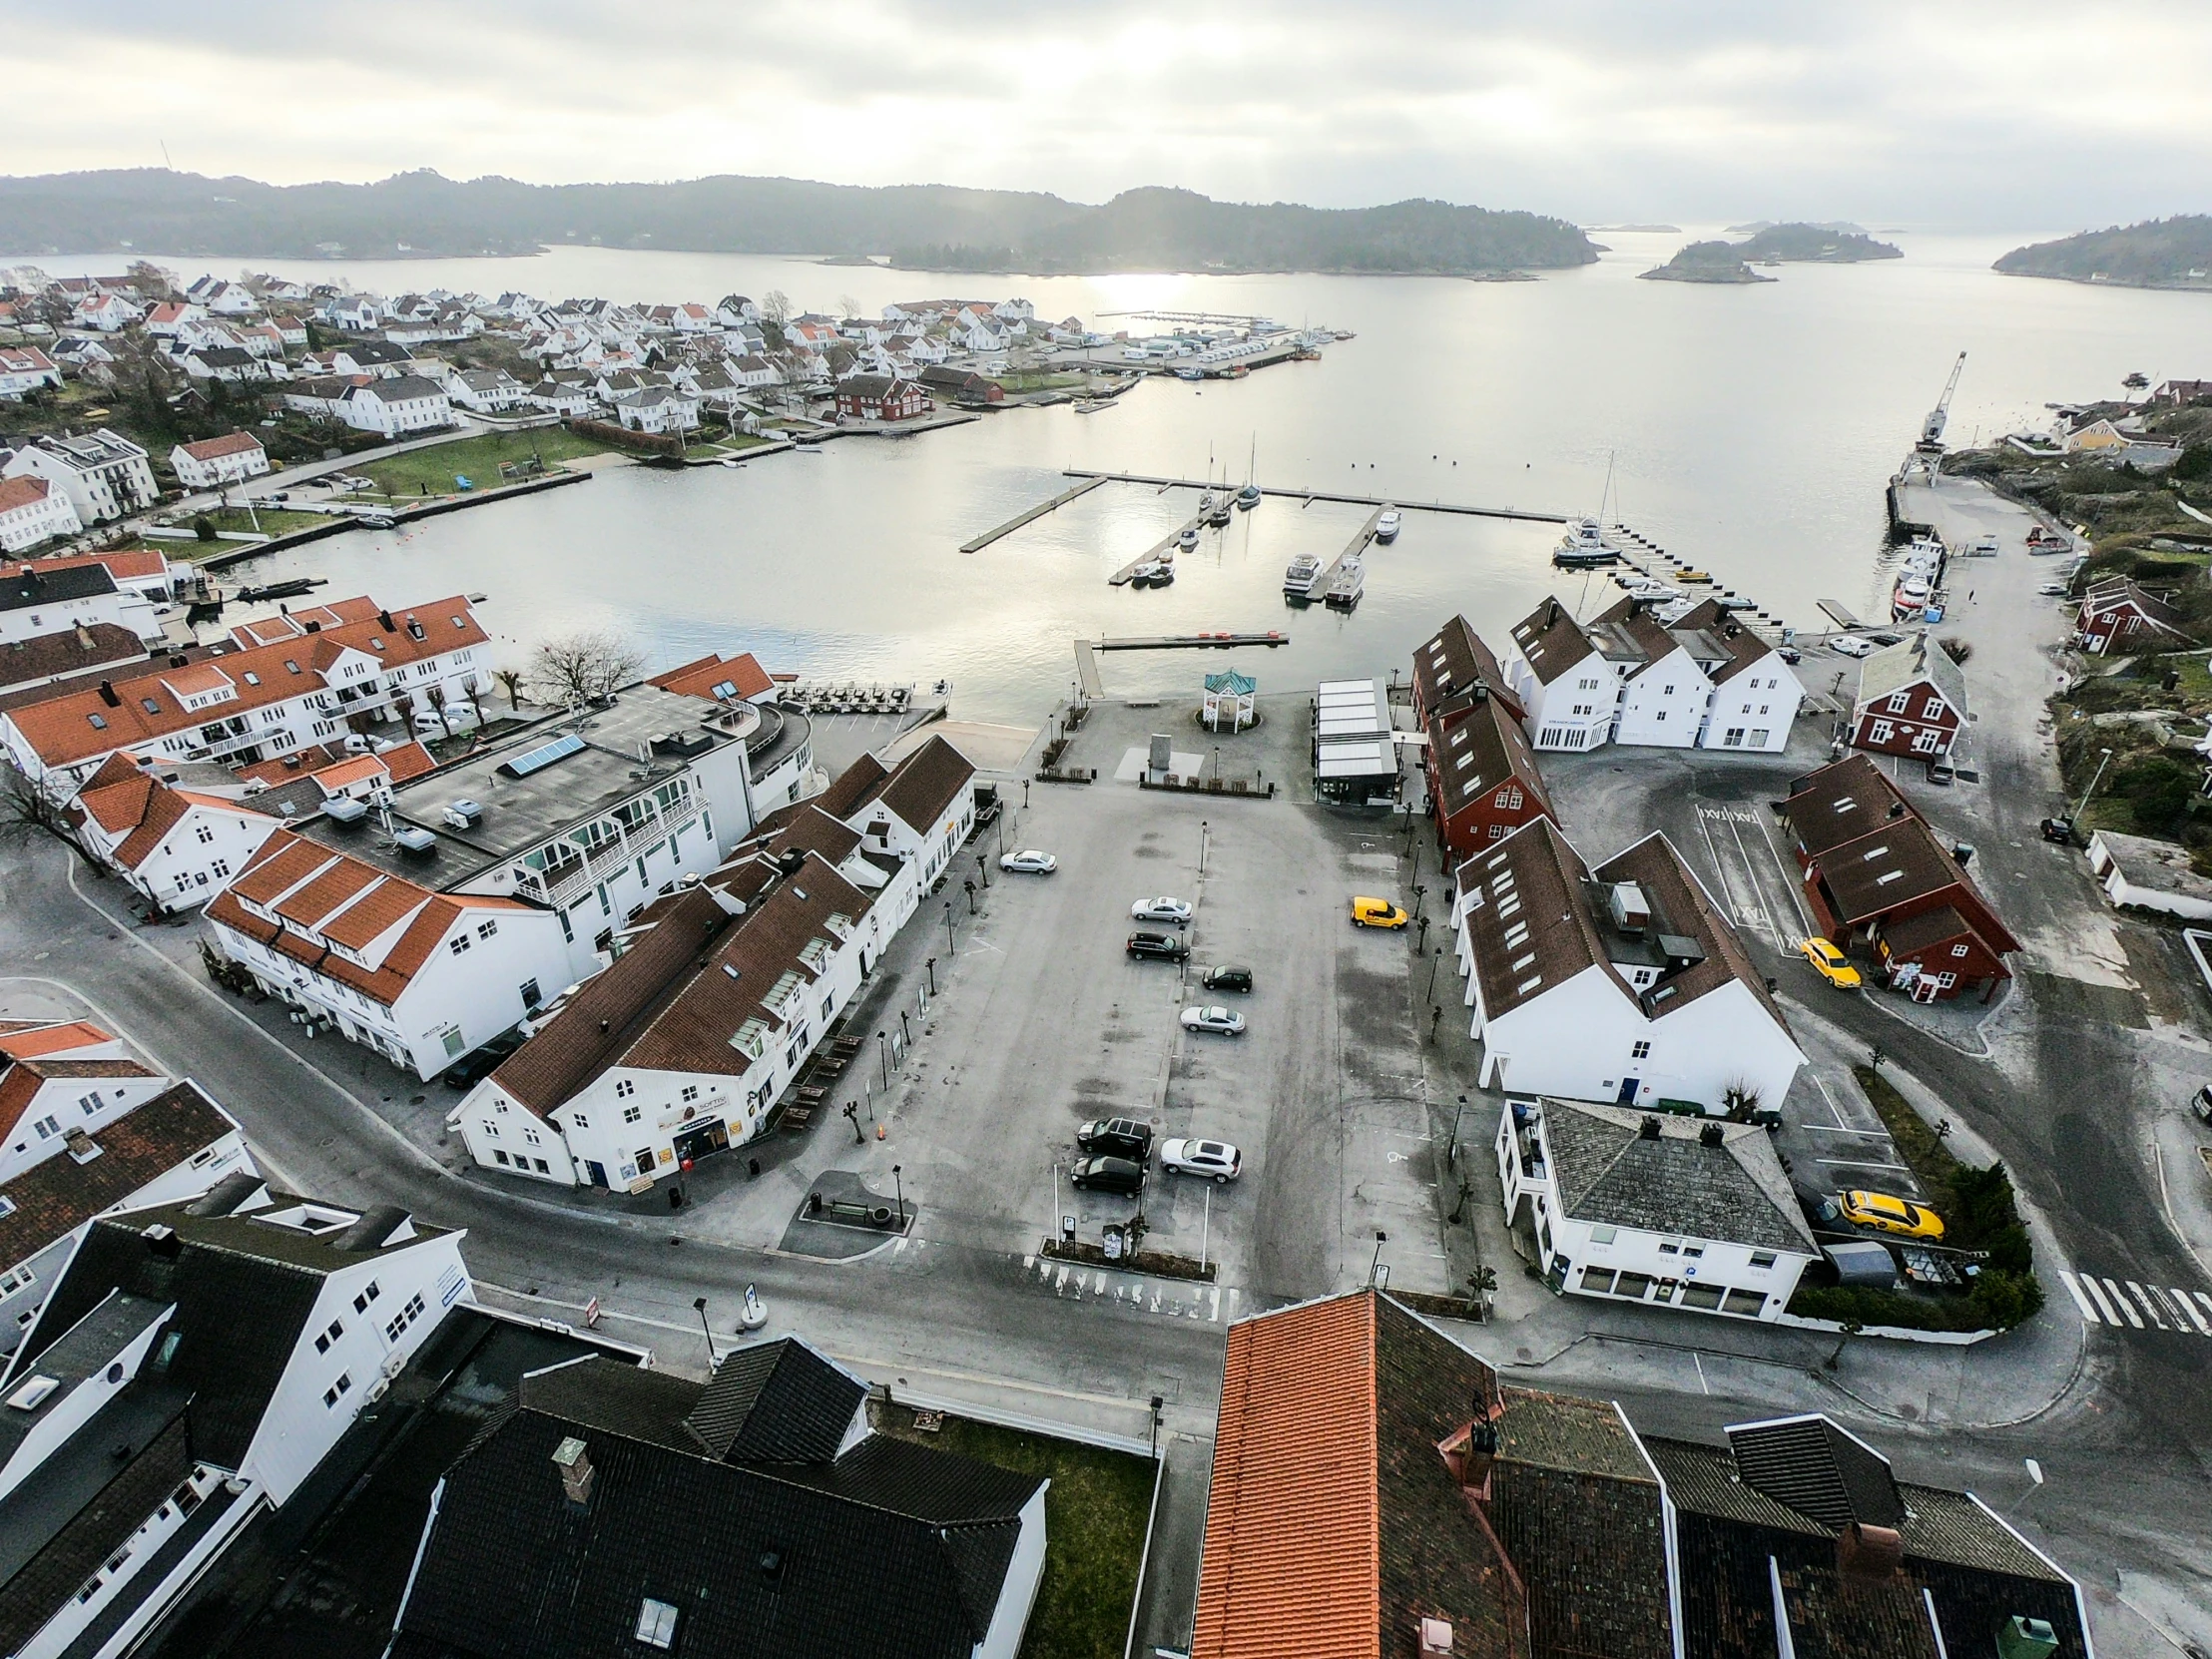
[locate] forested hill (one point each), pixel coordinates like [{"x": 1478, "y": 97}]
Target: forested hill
[
  {"x": 427, "y": 215},
  {"x": 2160, "y": 253}
]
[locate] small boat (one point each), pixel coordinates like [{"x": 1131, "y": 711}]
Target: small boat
[
  {"x": 1163, "y": 573},
  {"x": 1190, "y": 372},
  {"x": 1387, "y": 525},
  {"x": 1146, "y": 574},
  {"x": 1693, "y": 576},
  {"x": 1910, "y": 598},
  {"x": 1571, "y": 555},
  {"x": 1300, "y": 576},
  {"x": 1248, "y": 498},
  {"x": 1187, "y": 536},
  {"x": 1236, "y": 371},
  {"x": 1091, "y": 405},
  {"x": 1213, "y": 510},
  {"x": 1351, "y": 580}
]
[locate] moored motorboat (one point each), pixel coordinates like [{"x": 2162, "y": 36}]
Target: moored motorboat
[
  {"x": 1387, "y": 524},
  {"x": 1146, "y": 574},
  {"x": 1351, "y": 581},
  {"x": 1248, "y": 498},
  {"x": 1300, "y": 576},
  {"x": 1188, "y": 537}
]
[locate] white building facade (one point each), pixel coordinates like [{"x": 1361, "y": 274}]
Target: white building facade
[{"x": 104, "y": 474}]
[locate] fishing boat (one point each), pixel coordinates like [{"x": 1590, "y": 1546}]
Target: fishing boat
[
  {"x": 1300, "y": 576},
  {"x": 1387, "y": 525},
  {"x": 1351, "y": 580},
  {"x": 1909, "y": 598},
  {"x": 1190, "y": 371}
]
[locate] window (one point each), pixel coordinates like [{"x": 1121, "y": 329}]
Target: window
[
  {"x": 1762, "y": 1258},
  {"x": 397, "y": 1324},
  {"x": 1959, "y": 951},
  {"x": 499, "y": 1156},
  {"x": 1759, "y": 735},
  {"x": 1744, "y": 1302},
  {"x": 1734, "y": 739},
  {"x": 336, "y": 1391},
  {"x": 1670, "y": 1247},
  {"x": 631, "y": 1114},
  {"x": 92, "y": 1102},
  {"x": 690, "y": 1091},
  {"x": 48, "y": 1127},
  {"x": 149, "y": 706},
  {"x": 457, "y": 944},
  {"x": 1880, "y": 731},
  {"x": 1900, "y": 702},
  {"x": 99, "y": 722},
  {"x": 324, "y": 1341},
  {"x": 531, "y": 995},
  {"x": 205, "y": 834},
  {"x": 1693, "y": 1251},
  {"x": 1598, "y": 1279},
  {"x": 361, "y": 1302},
  {"x": 1637, "y": 1285},
  {"x": 222, "y": 870},
  {"x": 1707, "y": 1297},
  {"x": 625, "y": 1089},
  {"x": 1640, "y": 1052},
  {"x": 485, "y": 931},
  {"x": 1932, "y": 708},
  {"x": 1603, "y": 1235}
]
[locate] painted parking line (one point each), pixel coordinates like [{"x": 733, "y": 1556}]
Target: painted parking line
[{"x": 2074, "y": 1289}]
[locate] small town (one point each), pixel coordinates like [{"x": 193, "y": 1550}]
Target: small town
[{"x": 846, "y": 1027}]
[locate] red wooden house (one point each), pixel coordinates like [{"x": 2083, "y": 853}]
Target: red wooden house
[
  {"x": 880, "y": 397},
  {"x": 1912, "y": 699},
  {"x": 2116, "y": 615}
]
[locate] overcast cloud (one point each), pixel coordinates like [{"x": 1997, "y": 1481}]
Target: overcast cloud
[{"x": 2016, "y": 115}]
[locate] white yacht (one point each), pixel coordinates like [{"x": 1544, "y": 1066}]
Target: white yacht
[
  {"x": 1387, "y": 524},
  {"x": 1583, "y": 544},
  {"x": 1298, "y": 578},
  {"x": 1189, "y": 537},
  {"x": 1351, "y": 580}
]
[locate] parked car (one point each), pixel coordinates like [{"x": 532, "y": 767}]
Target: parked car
[
  {"x": 1830, "y": 964},
  {"x": 1891, "y": 1214},
  {"x": 1376, "y": 912},
  {"x": 1217, "y": 1160},
  {"x": 1226, "y": 1022},
  {"x": 1228, "y": 978},
  {"x": 1030, "y": 862},
  {"x": 472, "y": 1068},
  {"x": 457, "y": 715},
  {"x": 1163, "y": 908},
  {"x": 1850, "y": 645},
  {"x": 1166, "y": 946},
  {"x": 2201, "y": 1104},
  {"x": 2053, "y": 590},
  {"x": 1129, "y": 1138},
  {"x": 2058, "y": 829},
  {"x": 1789, "y": 654},
  {"x": 1107, "y": 1175},
  {"x": 1941, "y": 771}
]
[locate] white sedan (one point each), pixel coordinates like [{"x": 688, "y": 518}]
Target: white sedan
[
  {"x": 1161, "y": 910},
  {"x": 1216, "y": 1159},
  {"x": 1850, "y": 645},
  {"x": 1028, "y": 862},
  {"x": 1225, "y": 1021}
]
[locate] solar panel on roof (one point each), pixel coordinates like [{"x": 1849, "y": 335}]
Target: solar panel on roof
[{"x": 538, "y": 758}]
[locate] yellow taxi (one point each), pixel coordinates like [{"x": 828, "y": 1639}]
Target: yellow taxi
[
  {"x": 1376, "y": 912},
  {"x": 1892, "y": 1215},
  {"x": 1830, "y": 964}
]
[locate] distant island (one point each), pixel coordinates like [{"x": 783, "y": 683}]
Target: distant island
[
  {"x": 1841, "y": 226},
  {"x": 923, "y": 227},
  {"x": 1815, "y": 245},
  {"x": 1705, "y": 261},
  {"x": 2157, "y": 254},
  {"x": 1633, "y": 229}
]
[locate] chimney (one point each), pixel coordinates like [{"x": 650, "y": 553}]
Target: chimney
[
  {"x": 1711, "y": 1134},
  {"x": 107, "y": 695},
  {"x": 1649, "y": 1129},
  {"x": 385, "y": 617},
  {"x": 162, "y": 1241},
  {"x": 1551, "y": 614},
  {"x": 1435, "y": 1639},
  {"x": 574, "y": 1462},
  {"x": 85, "y": 641},
  {"x": 1868, "y": 1553}
]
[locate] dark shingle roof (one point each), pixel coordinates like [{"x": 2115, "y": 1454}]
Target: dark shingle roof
[
  {"x": 853, "y": 789},
  {"x": 1551, "y": 642},
  {"x": 1609, "y": 1173},
  {"x": 923, "y": 787},
  {"x": 1841, "y": 802},
  {"x": 818, "y": 1563},
  {"x": 26, "y": 584},
  {"x": 779, "y": 1404},
  {"x": 1478, "y": 747},
  {"x": 1680, "y": 904},
  {"x": 1817, "y": 1469}
]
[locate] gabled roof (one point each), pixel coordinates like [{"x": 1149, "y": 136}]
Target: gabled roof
[
  {"x": 212, "y": 449},
  {"x": 1608, "y": 1172},
  {"x": 1911, "y": 662},
  {"x": 779, "y": 1404},
  {"x": 80, "y": 650},
  {"x": 36, "y": 1039},
  {"x": 853, "y": 787},
  {"x": 1841, "y": 802},
  {"x": 1551, "y": 641},
  {"x": 890, "y": 1549},
  {"x": 1900, "y": 862},
  {"x": 1819, "y": 1469},
  {"x": 25, "y": 491},
  {"x": 55, "y": 1195},
  {"x": 2120, "y": 593},
  {"x": 1480, "y": 748},
  {"x": 1451, "y": 662},
  {"x": 1525, "y": 916},
  {"x": 707, "y": 676},
  {"x": 1680, "y": 904},
  {"x": 1744, "y": 647},
  {"x": 40, "y": 582},
  {"x": 922, "y": 787}
]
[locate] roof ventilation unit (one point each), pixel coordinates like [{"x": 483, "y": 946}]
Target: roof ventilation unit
[{"x": 1631, "y": 914}]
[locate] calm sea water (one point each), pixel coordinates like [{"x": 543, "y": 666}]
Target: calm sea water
[{"x": 1749, "y": 429}]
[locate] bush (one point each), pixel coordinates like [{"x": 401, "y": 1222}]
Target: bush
[
  {"x": 204, "y": 527},
  {"x": 1957, "y": 649},
  {"x": 2158, "y": 788},
  {"x": 2195, "y": 464},
  {"x": 1863, "y": 1305}
]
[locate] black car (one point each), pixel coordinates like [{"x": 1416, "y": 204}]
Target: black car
[
  {"x": 1129, "y": 1138},
  {"x": 1228, "y": 978},
  {"x": 1166, "y": 946},
  {"x": 472, "y": 1068},
  {"x": 1108, "y": 1175}
]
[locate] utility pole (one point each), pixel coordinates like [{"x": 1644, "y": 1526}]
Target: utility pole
[{"x": 2094, "y": 779}]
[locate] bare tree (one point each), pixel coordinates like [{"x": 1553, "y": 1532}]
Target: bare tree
[
  {"x": 434, "y": 695},
  {"x": 2138, "y": 382},
  {"x": 510, "y": 682},
  {"x": 29, "y": 810},
  {"x": 583, "y": 666},
  {"x": 848, "y": 306},
  {"x": 776, "y": 307}
]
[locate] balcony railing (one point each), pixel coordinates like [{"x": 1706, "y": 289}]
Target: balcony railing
[{"x": 570, "y": 881}]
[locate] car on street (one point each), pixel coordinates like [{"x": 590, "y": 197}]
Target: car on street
[
  {"x": 1165, "y": 947},
  {"x": 1107, "y": 1175},
  {"x": 1222, "y": 1021},
  {"x": 2201, "y": 1104},
  {"x": 472, "y": 1068},
  {"x": 1850, "y": 645},
  {"x": 1376, "y": 912},
  {"x": 1228, "y": 976},
  {"x": 1163, "y": 908},
  {"x": 1887, "y": 1214},
  {"x": 1129, "y": 1138},
  {"x": 1941, "y": 771},
  {"x": 1830, "y": 964},
  {"x": 1218, "y": 1161},
  {"x": 1028, "y": 862}
]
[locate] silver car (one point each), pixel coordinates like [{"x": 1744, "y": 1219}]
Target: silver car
[
  {"x": 1226, "y": 1022},
  {"x": 1161, "y": 910},
  {"x": 1218, "y": 1161},
  {"x": 1030, "y": 862}
]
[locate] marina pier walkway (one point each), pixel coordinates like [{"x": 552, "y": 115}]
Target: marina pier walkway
[
  {"x": 1307, "y": 495},
  {"x": 1033, "y": 514}
]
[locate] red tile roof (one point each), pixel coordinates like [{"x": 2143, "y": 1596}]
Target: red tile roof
[
  {"x": 209, "y": 449},
  {"x": 702, "y": 678},
  {"x": 31, "y": 1041},
  {"x": 26, "y": 491}
]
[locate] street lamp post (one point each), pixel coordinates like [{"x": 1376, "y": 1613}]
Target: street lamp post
[
  {"x": 1157, "y": 1402},
  {"x": 1436, "y": 962},
  {"x": 905, "y": 1031},
  {"x": 884, "y": 1054},
  {"x": 1451, "y": 1151},
  {"x": 707, "y": 1330},
  {"x": 949, "y": 945},
  {"x": 900, "y": 1187},
  {"x": 1202, "y": 837},
  {"x": 2095, "y": 777},
  {"x": 1380, "y": 1239}
]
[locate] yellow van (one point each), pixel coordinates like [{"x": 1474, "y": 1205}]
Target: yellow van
[{"x": 1376, "y": 912}]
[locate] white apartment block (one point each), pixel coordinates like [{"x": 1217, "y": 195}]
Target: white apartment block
[
  {"x": 396, "y": 407},
  {"x": 176, "y": 846},
  {"x": 32, "y": 510},
  {"x": 104, "y": 474}
]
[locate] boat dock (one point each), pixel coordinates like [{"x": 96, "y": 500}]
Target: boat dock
[
  {"x": 1306, "y": 497},
  {"x": 1190, "y": 642},
  {"x": 1165, "y": 544},
  {"x": 1841, "y": 617},
  {"x": 1356, "y": 546},
  {"x": 1031, "y": 516}
]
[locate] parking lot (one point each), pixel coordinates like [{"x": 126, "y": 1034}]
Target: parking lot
[{"x": 1044, "y": 1020}]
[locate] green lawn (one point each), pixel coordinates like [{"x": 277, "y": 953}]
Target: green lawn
[
  {"x": 430, "y": 471},
  {"x": 273, "y": 521},
  {"x": 1094, "y": 1514}
]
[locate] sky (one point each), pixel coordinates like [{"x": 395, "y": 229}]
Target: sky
[{"x": 1965, "y": 115}]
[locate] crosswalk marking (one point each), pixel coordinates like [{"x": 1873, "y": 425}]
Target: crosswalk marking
[
  {"x": 2104, "y": 1302},
  {"x": 2098, "y": 1292},
  {"x": 2149, "y": 1307},
  {"x": 2074, "y": 1289},
  {"x": 2124, "y": 1306},
  {"x": 2190, "y": 1308}
]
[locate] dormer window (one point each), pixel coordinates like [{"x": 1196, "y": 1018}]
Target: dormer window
[{"x": 252, "y": 679}]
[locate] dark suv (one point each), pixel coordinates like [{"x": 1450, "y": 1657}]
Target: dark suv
[
  {"x": 1166, "y": 946},
  {"x": 1228, "y": 978},
  {"x": 1108, "y": 1175},
  {"x": 1118, "y": 1137}
]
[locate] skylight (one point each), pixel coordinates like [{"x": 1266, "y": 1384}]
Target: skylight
[
  {"x": 538, "y": 758},
  {"x": 657, "y": 1624},
  {"x": 1529, "y": 984}
]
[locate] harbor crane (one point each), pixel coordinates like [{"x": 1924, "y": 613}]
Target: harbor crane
[{"x": 1932, "y": 429}]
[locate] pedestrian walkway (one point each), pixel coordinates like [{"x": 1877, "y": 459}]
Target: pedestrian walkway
[{"x": 2123, "y": 1303}]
